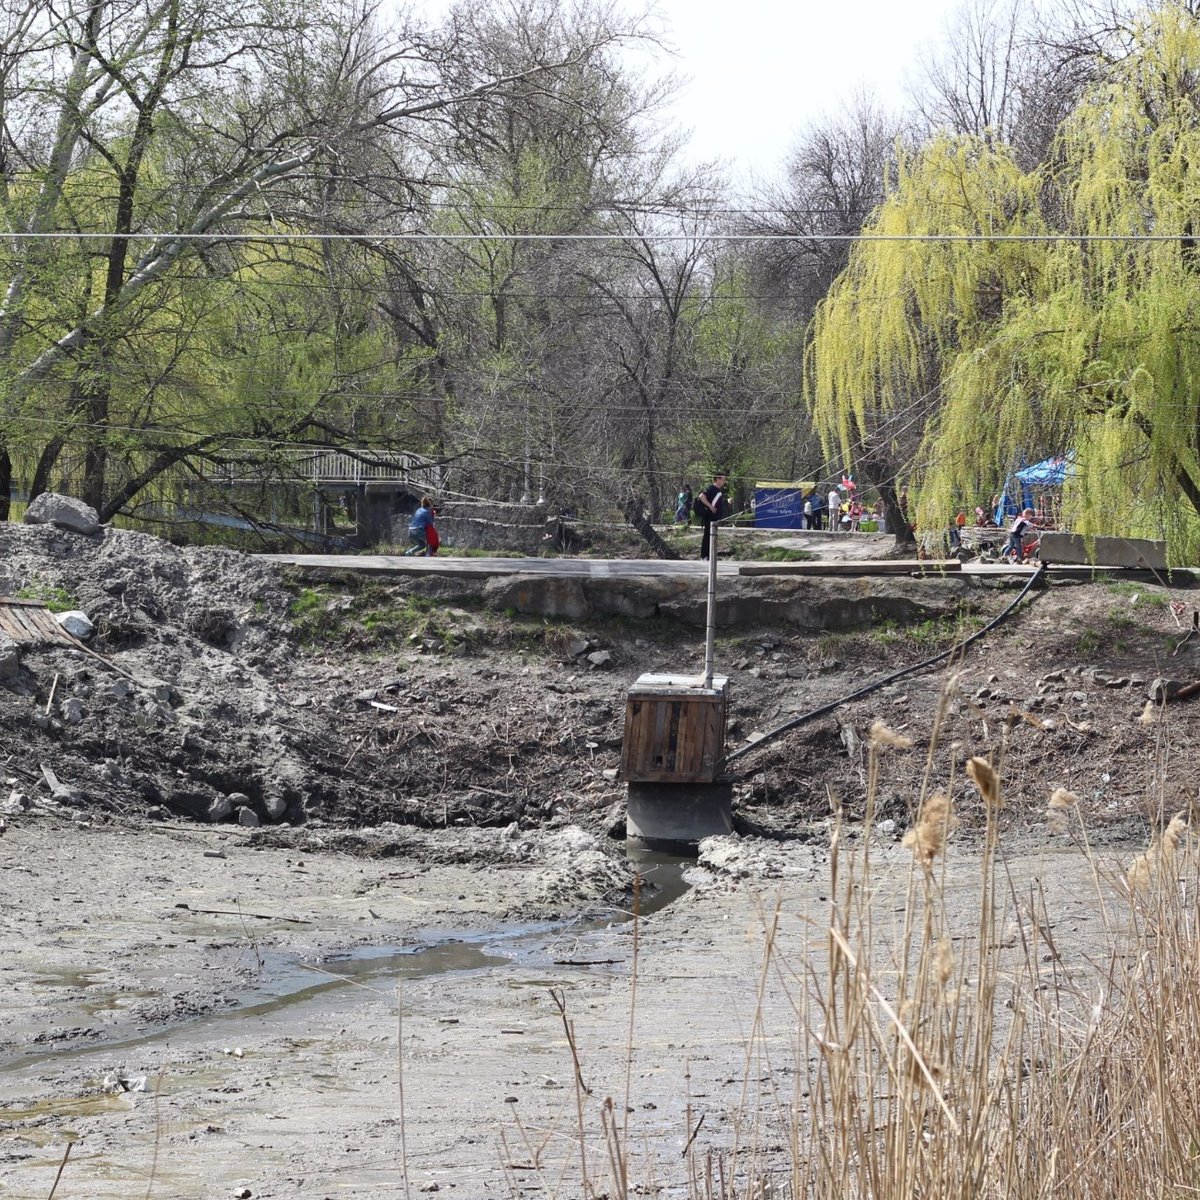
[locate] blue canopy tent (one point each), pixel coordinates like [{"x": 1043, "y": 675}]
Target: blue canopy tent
[
  {"x": 1050, "y": 472},
  {"x": 1018, "y": 487},
  {"x": 1009, "y": 506}
]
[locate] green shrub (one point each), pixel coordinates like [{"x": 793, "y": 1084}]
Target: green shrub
[{"x": 56, "y": 599}]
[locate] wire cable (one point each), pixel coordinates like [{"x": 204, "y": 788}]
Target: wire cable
[
  {"x": 213, "y": 238},
  {"x": 787, "y": 726}
]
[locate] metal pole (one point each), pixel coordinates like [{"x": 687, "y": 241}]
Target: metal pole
[{"x": 710, "y": 635}]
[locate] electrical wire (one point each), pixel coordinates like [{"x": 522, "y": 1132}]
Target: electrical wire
[
  {"x": 825, "y": 709},
  {"x": 369, "y": 238}
]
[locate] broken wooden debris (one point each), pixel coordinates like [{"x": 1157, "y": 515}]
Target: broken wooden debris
[{"x": 241, "y": 912}]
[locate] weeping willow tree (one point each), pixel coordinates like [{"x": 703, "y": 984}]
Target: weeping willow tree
[{"x": 951, "y": 358}]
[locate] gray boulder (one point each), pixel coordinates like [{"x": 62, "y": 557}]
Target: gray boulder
[
  {"x": 1163, "y": 690},
  {"x": 64, "y": 511},
  {"x": 275, "y": 806},
  {"x": 220, "y": 809}
]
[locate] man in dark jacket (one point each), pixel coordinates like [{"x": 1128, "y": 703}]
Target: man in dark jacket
[
  {"x": 709, "y": 506},
  {"x": 817, "y": 503}
]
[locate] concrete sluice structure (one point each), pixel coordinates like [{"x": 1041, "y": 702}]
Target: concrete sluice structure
[{"x": 672, "y": 758}]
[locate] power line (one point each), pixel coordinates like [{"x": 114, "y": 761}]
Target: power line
[
  {"x": 618, "y": 207},
  {"x": 368, "y": 238}
]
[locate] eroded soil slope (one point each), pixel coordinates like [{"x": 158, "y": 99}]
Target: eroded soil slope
[{"x": 219, "y": 690}]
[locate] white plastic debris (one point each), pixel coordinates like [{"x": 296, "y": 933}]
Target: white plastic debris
[{"x": 76, "y": 623}]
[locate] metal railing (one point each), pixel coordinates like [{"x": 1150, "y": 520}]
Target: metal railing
[{"x": 336, "y": 468}]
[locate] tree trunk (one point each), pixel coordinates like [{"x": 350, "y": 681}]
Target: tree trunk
[
  {"x": 635, "y": 514},
  {"x": 95, "y": 457},
  {"x": 46, "y": 460},
  {"x": 878, "y": 469},
  {"x": 5, "y": 483}
]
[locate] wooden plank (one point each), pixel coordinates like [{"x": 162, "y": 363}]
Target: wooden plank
[
  {"x": 629, "y": 758},
  {"x": 676, "y": 735},
  {"x": 709, "y": 762},
  {"x": 674, "y": 738},
  {"x": 657, "y": 755},
  {"x": 685, "y": 737},
  {"x": 30, "y": 623},
  {"x": 917, "y": 566}
]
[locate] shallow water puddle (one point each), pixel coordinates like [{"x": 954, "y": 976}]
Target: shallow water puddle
[
  {"x": 97, "y": 993},
  {"x": 288, "y": 983},
  {"x": 69, "y": 1106}
]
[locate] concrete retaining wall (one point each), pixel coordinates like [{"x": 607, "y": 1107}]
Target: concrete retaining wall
[
  {"x": 1109, "y": 551},
  {"x": 813, "y": 604}
]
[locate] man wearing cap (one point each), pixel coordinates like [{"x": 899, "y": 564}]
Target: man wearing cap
[{"x": 708, "y": 508}]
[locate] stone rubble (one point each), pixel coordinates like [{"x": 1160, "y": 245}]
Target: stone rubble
[{"x": 65, "y": 512}]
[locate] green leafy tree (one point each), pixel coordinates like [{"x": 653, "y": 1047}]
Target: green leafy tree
[
  {"x": 958, "y": 357},
  {"x": 137, "y": 137}
]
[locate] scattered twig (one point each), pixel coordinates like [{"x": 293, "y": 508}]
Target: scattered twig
[
  {"x": 53, "y": 689},
  {"x": 557, "y": 995},
  {"x": 61, "y": 1165},
  {"x": 258, "y": 958},
  {"x": 362, "y": 741},
  {"x": 581, "y": 1089},
  {"x": 240, "y": 912},
  {"x": 688, "y": 1144},
  {"x": 400, "y": 1088},
  {"x": 489, "y": 791}
]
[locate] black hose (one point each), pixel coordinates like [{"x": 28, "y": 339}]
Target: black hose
[{"x": 772, "y": 734}]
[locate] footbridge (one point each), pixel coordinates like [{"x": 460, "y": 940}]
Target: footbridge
[{"x": 351, "y": 468}]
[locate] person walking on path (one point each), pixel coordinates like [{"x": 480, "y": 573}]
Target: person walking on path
[
  {"x": 835, "y": 510},
  {"x": 419, "y": 526},
  {"x": 708, "y": 508},
  {"x": 1022, "y": 526},
  {"x": 683, "y": 505}
]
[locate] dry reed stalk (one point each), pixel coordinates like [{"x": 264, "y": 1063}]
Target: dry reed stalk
[
  {"x": 400, "y": 1090},
  {"x": 559, "y": 998},
  {"x": 62, "y": 1166},
  {"x": 881, "y": 735},
  {"x": 927, "y": 839},
  {"x": 986, "y": 779},
  {"x": 753, "y": 1039},
  {"x": 633, "y": 980},
  {"x": 1058, "y": 808},
  {"x": 1148, "y": 868},
  {"x": 983, "y": 1066}
]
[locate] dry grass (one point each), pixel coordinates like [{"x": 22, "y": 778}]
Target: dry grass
[{"x": 958, "y": 1056}]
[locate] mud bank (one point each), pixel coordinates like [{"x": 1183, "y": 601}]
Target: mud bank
[{"x": 281, "y": 1035}]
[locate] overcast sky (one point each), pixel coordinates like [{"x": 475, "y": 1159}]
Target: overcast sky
[
  {"x": 756, "y": 71},
  {"x": 761, "y": 69}
]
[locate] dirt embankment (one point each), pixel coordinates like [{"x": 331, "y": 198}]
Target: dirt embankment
[{"x": 225, "y": 692}]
